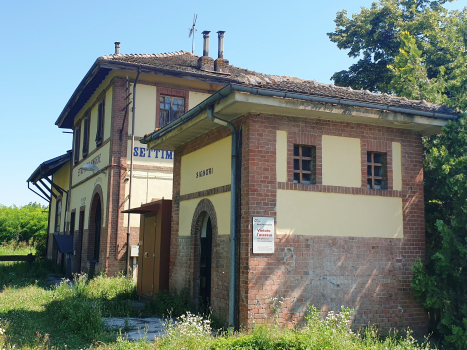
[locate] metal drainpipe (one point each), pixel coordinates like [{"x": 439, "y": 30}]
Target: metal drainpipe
[
  {"x": 131, "y": 172},
  {"x": 233, "y": 213}
]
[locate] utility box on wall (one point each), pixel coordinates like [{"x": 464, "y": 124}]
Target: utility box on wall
[{"x": 154, "y": 247}]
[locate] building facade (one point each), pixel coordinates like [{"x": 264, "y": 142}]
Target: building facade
[
  {"x": 338, "y": 177},
  {"x": 97, "y": 178}
]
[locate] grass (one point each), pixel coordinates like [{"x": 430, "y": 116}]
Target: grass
[
  {"x": 16, "y": 248},
  {"x": 36, "y": 316}
]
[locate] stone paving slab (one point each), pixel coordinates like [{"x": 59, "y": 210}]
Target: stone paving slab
[{"x": 136, "y": 328}]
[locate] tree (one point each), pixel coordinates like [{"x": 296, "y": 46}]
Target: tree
[
  {"x": 24, "y": 224},
  {"x": 425, "y": 58},
  {"x": 374, "y": 35}
]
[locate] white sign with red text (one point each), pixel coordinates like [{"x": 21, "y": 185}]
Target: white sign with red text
[{"x": 263, "y": 235}]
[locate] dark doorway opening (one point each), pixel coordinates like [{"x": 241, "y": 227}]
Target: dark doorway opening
[
  {"x": 80, "y": 237},
  {"x": 97, "y": 231},
  {"x": 205, "y": 262}
]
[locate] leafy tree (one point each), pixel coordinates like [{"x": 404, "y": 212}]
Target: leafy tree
[
  {"x": 373, "y": 34},
  {"x": 24, "y": 224},
  {"x": 426, "y": 58}
]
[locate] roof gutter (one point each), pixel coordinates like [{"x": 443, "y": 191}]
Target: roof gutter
[{"x": 273, "y": 93}]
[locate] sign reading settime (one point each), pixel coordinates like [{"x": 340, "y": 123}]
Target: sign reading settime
[{"x": 263, "y": 235}]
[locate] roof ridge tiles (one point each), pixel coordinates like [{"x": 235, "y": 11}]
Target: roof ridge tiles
[{"x": 147, "y": 55}]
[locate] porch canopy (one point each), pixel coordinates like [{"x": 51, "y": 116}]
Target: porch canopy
[{"x": 43, "y": 172}]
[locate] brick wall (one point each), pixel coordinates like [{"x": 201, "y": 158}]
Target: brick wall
[{"x": 371, "y": 275}]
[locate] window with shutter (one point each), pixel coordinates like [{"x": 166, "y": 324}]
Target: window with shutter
[
  {"x": 76, "y": 144},
  {"x": 86, "y": 136},
  {"x": 100, "y": 123}
]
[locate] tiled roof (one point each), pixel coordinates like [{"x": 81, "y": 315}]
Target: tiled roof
[{"x": 187, "y": 62}]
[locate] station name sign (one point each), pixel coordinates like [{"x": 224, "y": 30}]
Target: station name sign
[
  {"x": 143, "y": 152},
  {"x": 263, "y": 235}
]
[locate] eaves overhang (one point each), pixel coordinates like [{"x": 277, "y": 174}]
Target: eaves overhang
[
  {"x": 99, "y": 71},
  {"x": 234, "y": 101},
  {"x": 49, "y": 167}
]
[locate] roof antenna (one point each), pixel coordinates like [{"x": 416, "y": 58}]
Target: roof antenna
[{"x": 192, "y": 33}]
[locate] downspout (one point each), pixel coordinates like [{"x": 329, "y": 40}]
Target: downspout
[
  {"x": 233, "y": 213},
  {"x": 131, "y": 172}
]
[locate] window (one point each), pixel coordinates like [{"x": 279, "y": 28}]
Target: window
[
  {"x": 171, "y": 108},
  {"x": 304, "y": 164},
  {"x": 376, "y": 171},
  {"x": 58, "y": 215},
  {"x": 86, "y": 137},
  {"x": 100, "y": 123},
  {"x": 76, "y": 145}
]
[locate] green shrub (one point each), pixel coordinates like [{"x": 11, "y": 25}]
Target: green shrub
[
  {"x": 24, "y": 224},
  {"x": 171, "y": 303}
]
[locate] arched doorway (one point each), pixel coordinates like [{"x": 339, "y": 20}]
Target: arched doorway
[
  {"x": 205, "y": 258},
  {"x": 93, "y": 244},
  {"x": 205, "y": 262},
  {"x": 97, "y": 231}
]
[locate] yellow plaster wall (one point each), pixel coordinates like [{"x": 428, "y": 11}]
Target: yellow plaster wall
[
  {"x": 102, "y": 154},
  {"x": 216, "y": 156},
  {"x": 281, "y": 156},
  {"x": 334, "y": 214},
  {"x": 94, "y": 117},
  {"x": 62, "y": 179},
  {"x": 195, "y": 98},
  {"x": 221, "y": 204},
  {"x": 81, "y": 195},
  {"x": 143, "y": 156},
  {"x": 342, "y": 163},
  {"x": 146, "y": 185},
  {"x": 397, "y": 166},
  {"x": 145, "y": 117}
]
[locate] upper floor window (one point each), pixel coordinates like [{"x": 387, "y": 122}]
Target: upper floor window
[
  {"x": 377, "y": 170},
  {"x": 77, "y": 136},
  {"x": 171, "y": 108},
  {"x": 58, "y": 215},
  {"x": 304, "y": 164},
  {"x": 86, "y": 136},
  {"x": 100, "y": 123}
]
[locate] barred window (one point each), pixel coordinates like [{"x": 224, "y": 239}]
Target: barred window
[
  {"x": 171, "y": 108},
  {"x": 304, "y": 164},
  {"x": 377, "y": 170}
]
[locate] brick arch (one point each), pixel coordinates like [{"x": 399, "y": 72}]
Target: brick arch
[
  {"x": 204, "y": 207},
  {"x": 97, "y": 195}
]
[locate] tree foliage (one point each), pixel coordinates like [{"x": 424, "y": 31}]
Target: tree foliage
[
  {"x": 418, "y": 49},
  {"x": 24, "y": 224},
  {"x": 374, "y": 35}
]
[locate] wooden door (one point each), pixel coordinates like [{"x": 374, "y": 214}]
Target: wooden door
[{"x": 149, "y": 255}]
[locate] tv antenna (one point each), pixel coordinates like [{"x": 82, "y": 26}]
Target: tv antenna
[{"x": 192, "y": 33}]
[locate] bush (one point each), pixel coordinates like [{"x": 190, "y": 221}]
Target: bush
[
  {"x": 172, "y": 303},
  {"x": 24, "y": 224}
]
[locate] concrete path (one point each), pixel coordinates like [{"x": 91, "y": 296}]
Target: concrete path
[{"x": 136, "y": 328}]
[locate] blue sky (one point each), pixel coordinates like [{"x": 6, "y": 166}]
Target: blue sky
[{"x": 48, "y": 46}]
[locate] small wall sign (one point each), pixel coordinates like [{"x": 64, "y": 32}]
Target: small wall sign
[{"x": 263, "y": 235}]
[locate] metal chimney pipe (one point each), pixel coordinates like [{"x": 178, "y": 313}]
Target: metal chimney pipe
[
  {"x": 117, "y": 47},
  {"x": 206, "y": 43},
  {"x": 220, "y": 52}
]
